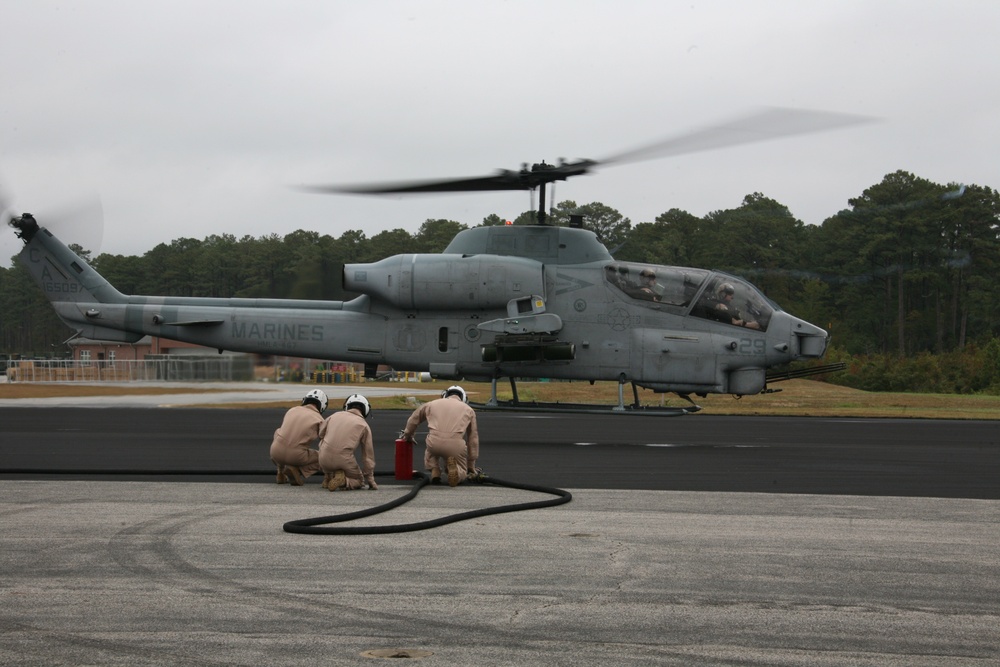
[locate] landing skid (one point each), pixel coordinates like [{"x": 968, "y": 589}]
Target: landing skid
[{"x": 515, "y": 405}]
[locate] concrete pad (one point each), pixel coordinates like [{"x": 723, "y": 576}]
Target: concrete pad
[{"x": 134, "y": 573}]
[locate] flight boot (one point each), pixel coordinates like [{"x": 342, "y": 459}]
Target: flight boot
[
  {"x": 281, "y": 477},
  {"x": 435, "y": 475},
  {"x": 295, "y": 477},
  {"x": 338, "y": 481},
  {"x": 452, "y": 464}
]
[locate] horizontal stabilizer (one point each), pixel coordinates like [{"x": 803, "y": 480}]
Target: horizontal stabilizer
[{"x": 193, "y": 323}]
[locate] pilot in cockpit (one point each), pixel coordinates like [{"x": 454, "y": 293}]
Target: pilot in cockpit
[
  {"x": 726, "y": 310},
  {"x": 611, "y": 275},
  {"x": 647, "y": 285}
]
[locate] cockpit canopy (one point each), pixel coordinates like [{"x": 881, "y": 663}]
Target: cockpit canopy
[
  {"x": 670, "y": 285},
  {"x": 729, "y": 300},
  {"x": 546, "y": 244},
  {"x": 706, "y": 294}
]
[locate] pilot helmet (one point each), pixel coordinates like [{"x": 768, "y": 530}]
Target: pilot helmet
[
  {"x": 726, "y": 288},
  {"x": 455, "y": 390},
  {"x": 318, "y": 398},
  {"x": 648, "y": 273},
  {"x": 360, "y": 402}
]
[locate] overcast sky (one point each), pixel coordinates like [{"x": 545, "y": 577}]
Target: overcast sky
[{"x": 191, "y": 118}]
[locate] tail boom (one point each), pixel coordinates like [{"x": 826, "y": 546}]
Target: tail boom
[{"x": 89, "y": 305}]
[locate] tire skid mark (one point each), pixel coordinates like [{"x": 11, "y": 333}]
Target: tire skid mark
[
  {"x": 63, "y": 647},
  {"x": 147, "y": 550}
]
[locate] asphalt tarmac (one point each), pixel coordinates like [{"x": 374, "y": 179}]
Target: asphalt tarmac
[
  {"x": 885, "y": 457},
  {"x": 148, "y": 536}
]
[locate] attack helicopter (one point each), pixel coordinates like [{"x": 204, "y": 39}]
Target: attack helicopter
[{"x": 515, "y": 302}]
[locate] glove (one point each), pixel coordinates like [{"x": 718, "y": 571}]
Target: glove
[{"x": 371, "y": 484}]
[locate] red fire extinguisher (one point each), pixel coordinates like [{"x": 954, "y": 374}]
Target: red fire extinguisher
[{"x": 404, "y": 458}]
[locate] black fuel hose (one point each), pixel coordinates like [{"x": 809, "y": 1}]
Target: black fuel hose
[{"x": 317, "y": 525}]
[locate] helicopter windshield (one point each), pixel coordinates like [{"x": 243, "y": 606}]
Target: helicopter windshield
[
  {"x": 670, "y": 285},
  {"x": 732, "y": 301}
]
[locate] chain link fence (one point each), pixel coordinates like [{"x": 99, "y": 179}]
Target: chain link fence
[{"x": 165, "y": 369}]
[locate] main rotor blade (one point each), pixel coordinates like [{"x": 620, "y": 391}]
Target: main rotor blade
[
  {"x": 506, "y": 180},
  {"x": 526, "y": 179},
  {"x": 768, "y": 124},
  {"x": 764, "y": 125}
]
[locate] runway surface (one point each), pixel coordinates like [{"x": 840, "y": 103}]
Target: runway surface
[
  {"x": 697, "y": 540},
  {"x": 919, "y": 458}
]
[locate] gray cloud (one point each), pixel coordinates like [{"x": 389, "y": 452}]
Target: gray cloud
[{"x": 192, "y": 118}]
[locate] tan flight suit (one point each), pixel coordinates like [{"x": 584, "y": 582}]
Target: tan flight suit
[
  {"x": 341, "y": 434},
  {"x": 298, "y": 430},
  {"x": 452, "y": 431}
]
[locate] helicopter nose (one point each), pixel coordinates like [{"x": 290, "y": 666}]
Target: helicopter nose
[{"x": 808, "y": 340}]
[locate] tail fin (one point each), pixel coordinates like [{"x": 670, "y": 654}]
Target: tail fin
[
  {"x": 70, "y": 284},
  {"x": 60, "y": 272}
]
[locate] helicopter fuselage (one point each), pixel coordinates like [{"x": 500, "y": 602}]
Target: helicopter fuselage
[{"x": 524, "y": 302}]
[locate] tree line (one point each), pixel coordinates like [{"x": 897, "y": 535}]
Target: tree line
[{"x": 905, "y": 273}]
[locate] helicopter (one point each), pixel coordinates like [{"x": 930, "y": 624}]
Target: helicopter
[{"x": 507, "y": 301}]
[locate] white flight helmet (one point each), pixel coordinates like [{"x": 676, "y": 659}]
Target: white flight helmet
[
  {"x": 317, "y": 396},
  {"x": 455, "y": 390},
  {"x": 360, "y": 402}
]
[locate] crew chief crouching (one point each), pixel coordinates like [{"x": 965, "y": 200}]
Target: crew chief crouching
[{"x": 452, "y": 436}]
